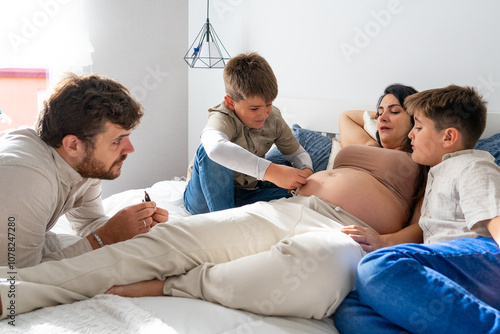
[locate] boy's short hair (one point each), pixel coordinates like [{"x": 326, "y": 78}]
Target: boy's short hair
[
  {"x": 454, "y": 106},
  {"x": 250, "y": 75},
  {"x": 81, "y": 105}
]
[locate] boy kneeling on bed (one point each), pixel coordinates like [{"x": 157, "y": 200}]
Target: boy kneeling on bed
[
  {"x": 450, "y": 283},
  {"x": 229, "y": 169}
]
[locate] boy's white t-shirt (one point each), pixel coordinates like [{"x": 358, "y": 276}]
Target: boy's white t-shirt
[{"x": 462, "y": 191}]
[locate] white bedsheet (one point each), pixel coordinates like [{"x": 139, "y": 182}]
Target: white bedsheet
[
  {"x": 191, "y": 315},
  {"x": 101, "y": 314},
  {"x": 197, "y": 316}
]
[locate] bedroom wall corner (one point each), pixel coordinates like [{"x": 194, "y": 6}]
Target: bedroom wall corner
[{"x": 142, "y": 45}]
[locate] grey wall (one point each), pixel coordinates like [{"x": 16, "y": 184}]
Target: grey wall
[{"x": 142, "y": 44}]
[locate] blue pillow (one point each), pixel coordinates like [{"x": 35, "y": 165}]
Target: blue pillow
[
  {"x": 492, "y": 145},
  {"x": 318, "y": 146}
]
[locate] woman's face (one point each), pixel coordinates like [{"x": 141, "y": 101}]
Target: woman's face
[{"x": 393, "y": 122}]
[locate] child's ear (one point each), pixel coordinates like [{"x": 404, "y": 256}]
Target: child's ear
[
  {"x": 450, "y": 137},
  {"x": 73, "y": 146},
  {"x": 229, "y": 102}
]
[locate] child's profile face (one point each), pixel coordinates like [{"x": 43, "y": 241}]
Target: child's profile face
[
  {"x": 426, "y": 141},
  {"x": 253, "y": 112}
]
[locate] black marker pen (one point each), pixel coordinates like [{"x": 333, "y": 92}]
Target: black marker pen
[{"x": 146, "y": 196}]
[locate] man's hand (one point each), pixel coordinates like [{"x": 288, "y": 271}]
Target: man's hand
[
  {"x": 131, "y": 221},
  {"x": 159, "y": 216},
  {"x": 286, "y": 177}
]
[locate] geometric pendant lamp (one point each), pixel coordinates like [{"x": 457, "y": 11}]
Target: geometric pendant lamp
[{"x": 207, "y": 50}]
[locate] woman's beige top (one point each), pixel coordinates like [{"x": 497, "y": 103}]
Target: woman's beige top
[{"x": 374, "y": 184}]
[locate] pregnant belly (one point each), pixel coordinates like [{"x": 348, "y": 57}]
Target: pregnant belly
[{"x": 361, "y": 195}]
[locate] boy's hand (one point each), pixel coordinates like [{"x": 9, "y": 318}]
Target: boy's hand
[
  {"x": 286, "y": 177},
  {"x": 308, "y": 171}
]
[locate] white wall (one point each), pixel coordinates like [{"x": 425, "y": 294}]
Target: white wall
[
  {"x": 141, "y": 44},
  {"x": 425, "y": 43},
  {"x": 206, "y": 86}
]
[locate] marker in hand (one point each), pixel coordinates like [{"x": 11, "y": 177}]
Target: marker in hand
[{"x": 146, "y": 196}]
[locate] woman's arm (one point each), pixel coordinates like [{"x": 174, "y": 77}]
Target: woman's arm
[
  {"x": 370, "y": 240},
  {"x": 351, "y": 129}
]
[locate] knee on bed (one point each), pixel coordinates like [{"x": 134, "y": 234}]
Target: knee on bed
[
  {"x": 379, "y": 266},
  {"x": 323, "y": 269}
]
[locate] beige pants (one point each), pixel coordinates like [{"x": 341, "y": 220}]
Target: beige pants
[{"x": 280, "y": 258}]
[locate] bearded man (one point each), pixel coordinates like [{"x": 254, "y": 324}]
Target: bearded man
[{"x": 81, "y": 137}]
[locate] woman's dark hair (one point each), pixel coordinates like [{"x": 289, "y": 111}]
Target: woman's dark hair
[
  {"x": 401, "y": 92},
  {"x": 81, "y": 106}
]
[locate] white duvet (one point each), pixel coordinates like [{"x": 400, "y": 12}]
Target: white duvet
[{"x": 161, "y": 314}]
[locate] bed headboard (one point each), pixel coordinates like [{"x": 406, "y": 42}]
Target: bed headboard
[
  {"x": 492, "y": 124},
  {"x": 318, "y": 115},
  {"x": 323, "y": 115}
]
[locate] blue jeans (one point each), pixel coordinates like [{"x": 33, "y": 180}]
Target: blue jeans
[
  {"x": 211, "y": 188},
  {"x": 443, "y": 287}
]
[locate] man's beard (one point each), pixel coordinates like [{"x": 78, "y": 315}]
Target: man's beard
[{"x": 90, "y": 167}]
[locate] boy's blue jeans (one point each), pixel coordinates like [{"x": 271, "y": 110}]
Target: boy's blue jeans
[
  {"x": 444, "y": 287},
  {"x": 211, "y": 188}
]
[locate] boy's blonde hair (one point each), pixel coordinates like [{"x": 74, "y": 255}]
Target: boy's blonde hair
[
  {"x": 250, "y": 75},
  {"x": 456, "y": 107}
]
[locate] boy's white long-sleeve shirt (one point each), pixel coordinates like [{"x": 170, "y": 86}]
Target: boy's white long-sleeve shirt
[
  {"x": 221, "y": 150},
  {"x": 231, "y": 143}
]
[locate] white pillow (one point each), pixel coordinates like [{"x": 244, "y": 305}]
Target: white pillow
[{"x": 370, "y": 125}]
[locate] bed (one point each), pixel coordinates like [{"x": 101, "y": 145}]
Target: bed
[{"x": 113, "y": 314}]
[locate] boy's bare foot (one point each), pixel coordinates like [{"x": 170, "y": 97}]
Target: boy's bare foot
[{"x": 140, "y": 289}]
